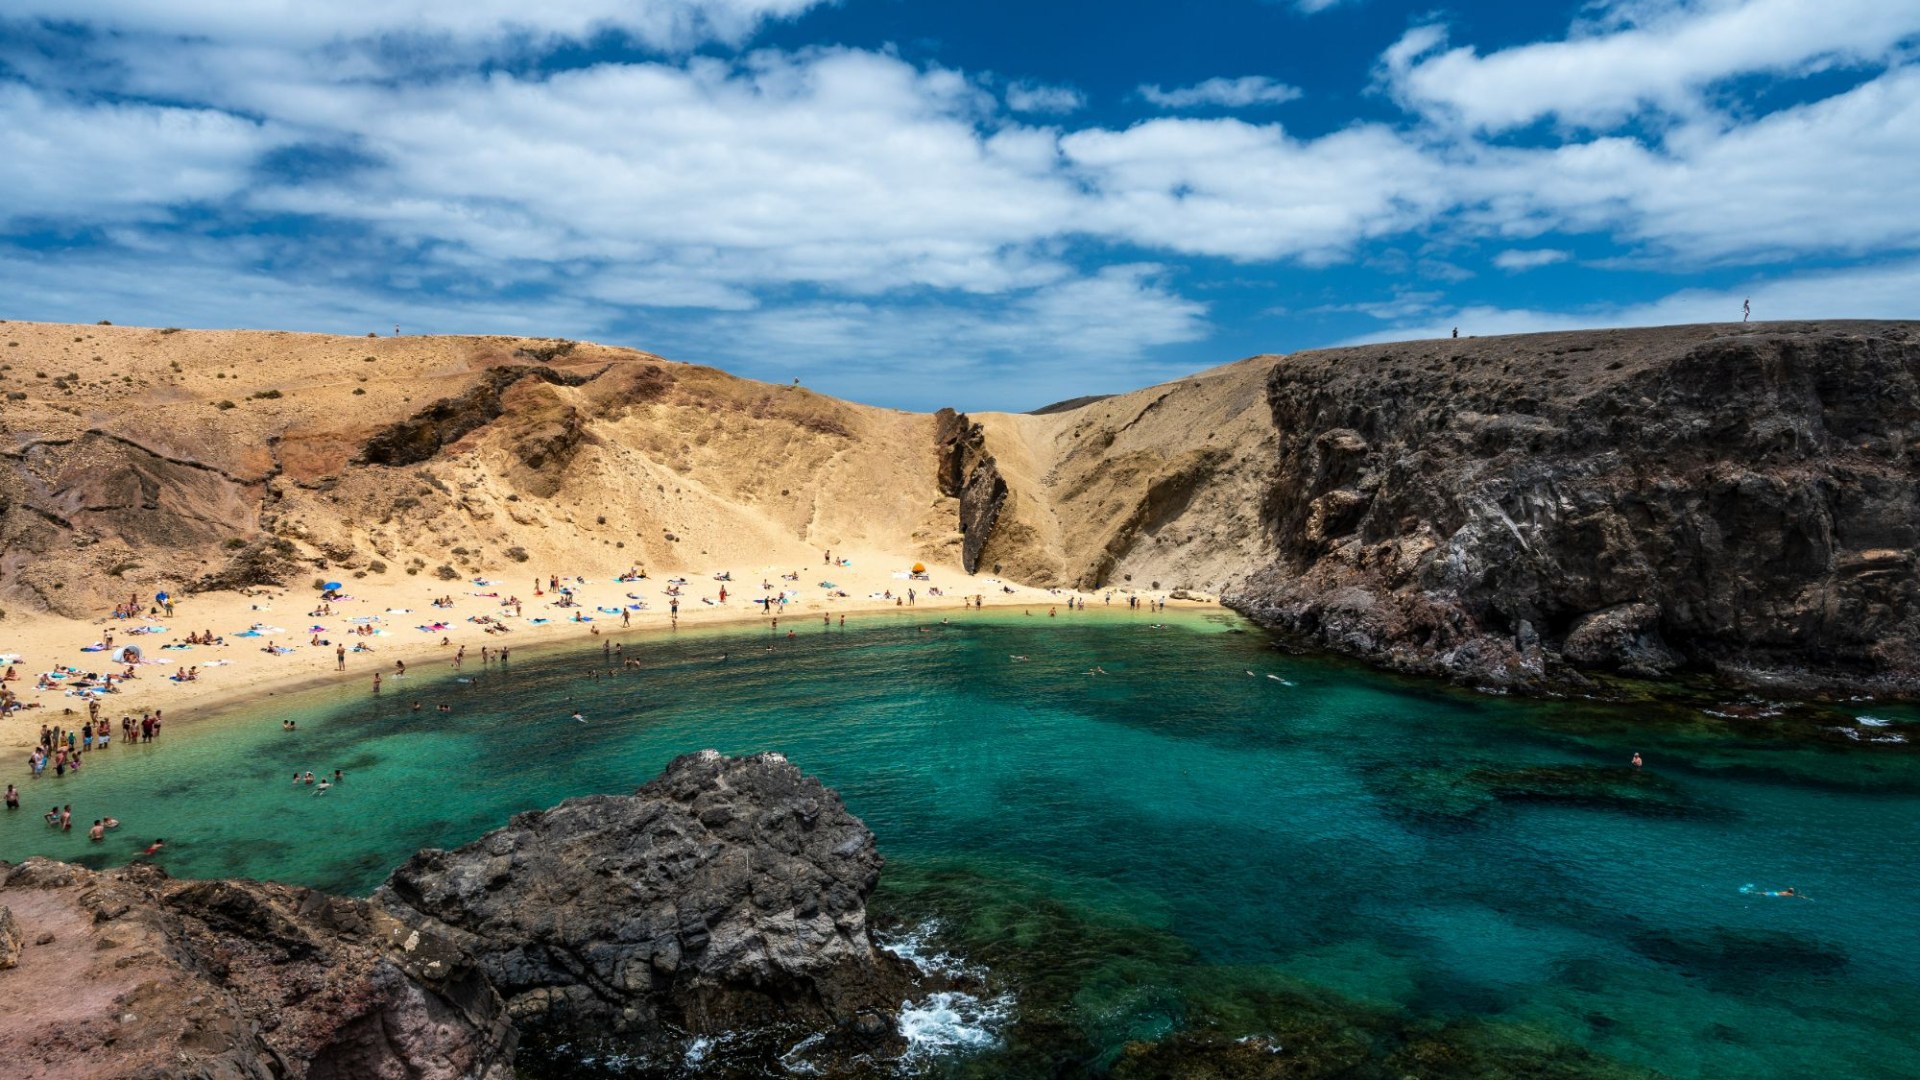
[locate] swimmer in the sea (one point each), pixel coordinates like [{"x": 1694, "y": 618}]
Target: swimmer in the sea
[{"x": 579, "y": 718}]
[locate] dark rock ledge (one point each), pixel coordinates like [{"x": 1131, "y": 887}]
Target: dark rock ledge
[{"x": 727, "y": 895}]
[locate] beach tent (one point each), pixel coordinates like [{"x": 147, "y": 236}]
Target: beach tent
[
  {"x": 919, "y": 568},
  {"x": 126, "y": 654}
]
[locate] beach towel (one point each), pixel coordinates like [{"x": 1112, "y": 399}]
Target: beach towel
[
  {"x": 608, "y": 610},
  {"x": 95, "y": 647},
  {"x": 539, "y": 622}
]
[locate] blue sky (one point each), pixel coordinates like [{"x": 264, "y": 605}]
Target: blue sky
[{"x": 988, "y": 204}]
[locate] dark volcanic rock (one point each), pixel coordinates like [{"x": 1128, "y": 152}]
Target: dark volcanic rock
[
  {"x": 134, "y": 975},
  {"x": 445, "y": 421},
  {"x": 727, "y": 896},
  {"x": 1509, "y": 511},
  {"x": 968, "y": 472},
  {"x": 729, "y": 893}
]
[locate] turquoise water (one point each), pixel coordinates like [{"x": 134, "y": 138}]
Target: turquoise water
[{"x": 1341, "y": 863}]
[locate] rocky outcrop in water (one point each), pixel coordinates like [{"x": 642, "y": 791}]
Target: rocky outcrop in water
[
  {"x": 968, "y": 472},
  {"x": 728, "y": 894},
  {"x": 1517, "y": 511},
  {"x": 727, "y": 897},
  {"x": 132, "y": 975}
]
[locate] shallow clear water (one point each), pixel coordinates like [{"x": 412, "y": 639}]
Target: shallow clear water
[{"x": 1175, "y": 845}]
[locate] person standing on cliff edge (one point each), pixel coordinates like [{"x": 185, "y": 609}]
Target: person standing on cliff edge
[{"x": 1746, "y": 309}]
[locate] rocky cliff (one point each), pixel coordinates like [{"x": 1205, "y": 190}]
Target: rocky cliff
[
  {"x": 966, "y": 471},
  {"x": 1520, "y": 511},
  {"x": 726, "y": 896}
]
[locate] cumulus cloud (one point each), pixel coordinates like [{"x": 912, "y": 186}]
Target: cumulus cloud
[
  {"x": 1032, "y": 97},
  {"x": 1638, "y": 55},
  {"x": 1248, "y": 90},
  {"x": 1248, "y": 192},
  {"x": 1516, "y": 259},
  {"x": 1823, "y": 177},
  {"x": 104, "y": 161},
  {"x": 849, "y": 205}
]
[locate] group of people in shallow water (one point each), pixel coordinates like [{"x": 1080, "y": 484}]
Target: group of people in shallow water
[
  {"x": 66, "y": 748},
  {"x": 320, "y": 787},
  {"x": 61, "y": 817}
]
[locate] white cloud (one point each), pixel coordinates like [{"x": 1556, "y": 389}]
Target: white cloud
[
  {"x": 839, "y": 167},
  {"x": 100, "y": 162},
  {"x": 1315, "y": 7},
  {"x": 1517, "y": 260},
  {"x": 674, "y": 24},
  {"x": 1223, "y": 93},
  {"x": 1640, "y": 55},
  {"x": 1032, "y": 97},
  {"x": 1828, "y": 176},
  {"x": 1225, "y": 187}
]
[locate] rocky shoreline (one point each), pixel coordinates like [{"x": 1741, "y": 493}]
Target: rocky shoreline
[
  {"x": 1532, "y": 512},
  {"x": 727, "y": 895}
]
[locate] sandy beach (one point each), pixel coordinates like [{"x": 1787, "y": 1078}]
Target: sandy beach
[{"x": 244, "y": 670}]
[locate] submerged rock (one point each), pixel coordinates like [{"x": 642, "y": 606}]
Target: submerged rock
[{"x": 729, "y": 893}]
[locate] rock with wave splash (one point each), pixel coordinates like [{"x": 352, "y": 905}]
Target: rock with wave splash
[{"x": 727, "y": 895}]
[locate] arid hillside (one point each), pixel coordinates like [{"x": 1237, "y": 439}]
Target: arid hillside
[{"x": 143, "y": 459}]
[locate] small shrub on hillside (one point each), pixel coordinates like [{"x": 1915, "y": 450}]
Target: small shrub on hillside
[
  {"x": 224, "y": 405},
  {"x": 266, "y": 395},
  {"x": 234, "y": 543},
  {"x": 118, "y": 569},
  {"x": 378, "y": 567},
  {"x": 518, "y": 553},
  {"x": 446, "y": 572}
]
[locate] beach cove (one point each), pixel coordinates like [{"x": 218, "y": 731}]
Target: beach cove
[{"x": 1155, "y": 825}]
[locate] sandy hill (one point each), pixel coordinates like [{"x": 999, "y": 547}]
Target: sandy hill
[{"x": 143, "y": 459}]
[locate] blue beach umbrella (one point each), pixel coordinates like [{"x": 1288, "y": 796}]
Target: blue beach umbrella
[
  {"x": 331, "y": 586},
  {"x": 159, "y": 598}
]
